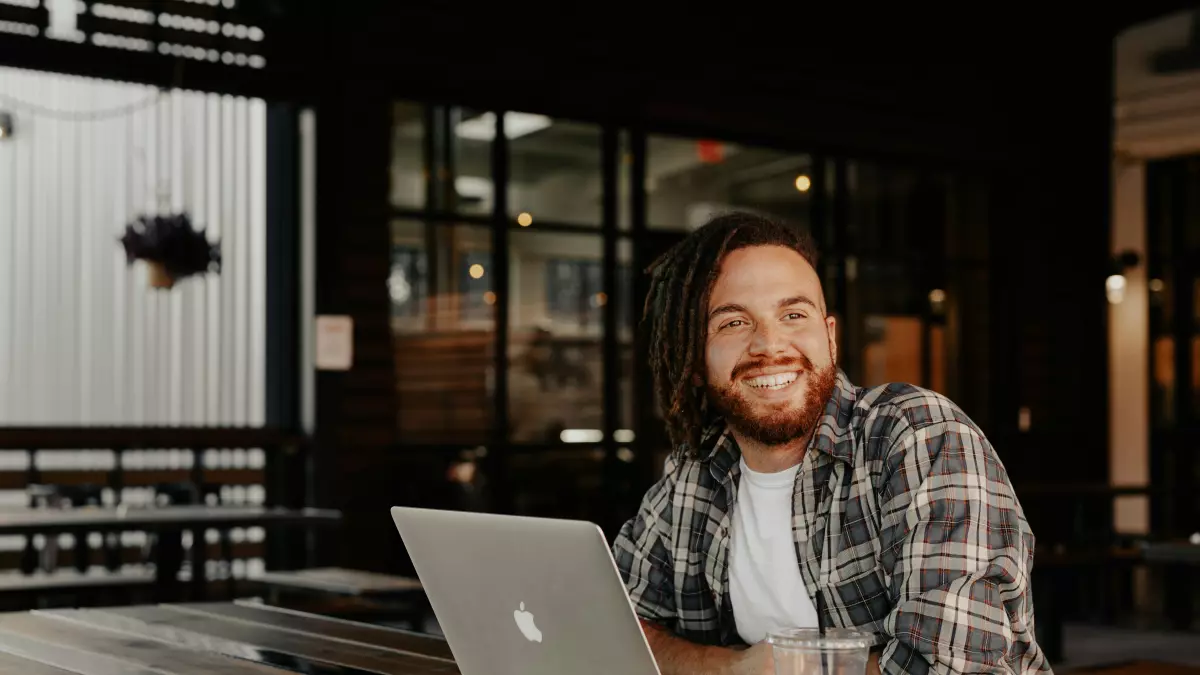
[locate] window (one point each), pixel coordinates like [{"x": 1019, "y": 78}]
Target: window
[
  {"x": 443, "y": 331},
  {"x": 575, "y": 292},
  {"x": 475, "y": 280},
  {"x": 690, "y": 180},
  {"x": 408, "y": 285}
]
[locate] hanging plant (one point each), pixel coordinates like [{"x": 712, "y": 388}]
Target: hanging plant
[{"x": 171, "y": 248}]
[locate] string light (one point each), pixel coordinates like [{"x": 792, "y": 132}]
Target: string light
[{"x": 81, "y": 116}]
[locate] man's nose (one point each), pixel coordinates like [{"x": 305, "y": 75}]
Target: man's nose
[{"x": 767, "y": 340}]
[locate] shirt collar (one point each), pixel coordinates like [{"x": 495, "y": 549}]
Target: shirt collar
[{"x": 834, "y": 436}]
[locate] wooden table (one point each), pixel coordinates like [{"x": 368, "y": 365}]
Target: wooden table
[{"x": 190, "y": 639}]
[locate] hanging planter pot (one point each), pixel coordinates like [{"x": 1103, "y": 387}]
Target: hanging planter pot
[
  {"x": 171, "y": 248},
  {"x": 159, "y": 276}
]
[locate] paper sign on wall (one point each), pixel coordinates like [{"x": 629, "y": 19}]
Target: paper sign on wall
[{"x": 335, "y": 342}]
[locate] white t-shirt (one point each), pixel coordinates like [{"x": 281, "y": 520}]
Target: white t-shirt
[{"x": 765, "y": 585}]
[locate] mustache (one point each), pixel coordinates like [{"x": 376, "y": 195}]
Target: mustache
[{"x": 803, "y": 363}]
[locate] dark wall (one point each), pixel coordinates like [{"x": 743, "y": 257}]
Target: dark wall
[
  {"x": 355, "y": 409},
  {"x": 1036, "y": 121},
  {"x": 1052, "y": 196}
]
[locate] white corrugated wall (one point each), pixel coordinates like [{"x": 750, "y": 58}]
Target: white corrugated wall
[{"x": 83, "y": 339}]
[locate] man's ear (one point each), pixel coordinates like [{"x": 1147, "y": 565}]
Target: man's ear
[{"x": 831, "y": 330}]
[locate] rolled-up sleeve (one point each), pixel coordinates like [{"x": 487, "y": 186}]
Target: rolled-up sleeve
[
  {"x": 643, "y": 556},
  {"x": 958, "y": 553}
]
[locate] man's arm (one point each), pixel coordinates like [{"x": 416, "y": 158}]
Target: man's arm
[
  {"x": 959, "y": 552},
  {"x": 676, "y": 656},
  {"x": 643, "y": 556}
]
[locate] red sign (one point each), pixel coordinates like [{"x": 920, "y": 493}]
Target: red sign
[{"x": 710, "y": 152}]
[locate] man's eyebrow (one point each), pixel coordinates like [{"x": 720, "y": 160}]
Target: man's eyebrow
[
  {"x": 728, "y": 308},
  {"x": 799, "y": 300},
  {"x": 731, "y": 308}
]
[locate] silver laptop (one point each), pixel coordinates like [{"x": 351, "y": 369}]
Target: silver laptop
[{"x": 525, "y": 596}]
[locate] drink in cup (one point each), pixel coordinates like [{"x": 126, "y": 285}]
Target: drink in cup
[{"x": 808, "y": 651}]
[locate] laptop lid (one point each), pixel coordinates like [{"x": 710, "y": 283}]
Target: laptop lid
[{"x": 525, "y": 596}]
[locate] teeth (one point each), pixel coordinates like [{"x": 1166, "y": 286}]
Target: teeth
[{"x": 777, "y": 381}]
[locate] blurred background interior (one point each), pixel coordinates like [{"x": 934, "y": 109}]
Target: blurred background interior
[{"x": 432, "y": 227}]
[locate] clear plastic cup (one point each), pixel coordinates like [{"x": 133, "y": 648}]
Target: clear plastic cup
[{"x": 808, "y": 651}]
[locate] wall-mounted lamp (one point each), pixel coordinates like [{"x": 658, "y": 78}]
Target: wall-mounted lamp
[
  {"x": 6, "y": 126},
  {"x": 1114, "y": 285}
]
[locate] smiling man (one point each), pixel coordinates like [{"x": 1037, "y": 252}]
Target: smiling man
[{"x": 795, "y": 499}]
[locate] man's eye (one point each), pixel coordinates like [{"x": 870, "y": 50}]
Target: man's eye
[
  {"x": 734, "y": 324},
  {"x": 795, "y": 315}
]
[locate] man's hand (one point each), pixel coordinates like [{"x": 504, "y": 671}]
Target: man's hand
[
  {"x": 873, "y": 664},
  {"x": 757, "y": 660},
  {"x": 676, "y": 656}
]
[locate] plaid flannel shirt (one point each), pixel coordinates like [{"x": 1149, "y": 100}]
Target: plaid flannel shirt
[{"x": 905, "y": 525}]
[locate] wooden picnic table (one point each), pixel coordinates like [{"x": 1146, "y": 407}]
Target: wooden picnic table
[
  {"x": 112, "y": 519},
  {"x": 189, "y": 639},
  {"x": 342, "y": 581},
  {"x": 169, "y": 521}
]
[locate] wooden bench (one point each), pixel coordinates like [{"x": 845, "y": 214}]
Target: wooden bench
[{"x": 71, "y": 587}]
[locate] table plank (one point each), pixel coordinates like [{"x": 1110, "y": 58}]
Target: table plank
[
  {"x": 275, "y": 645},
  {"x": 189, "y": 640},
  {"x": 25, "y": 521},
  {"x": 341, "y": 629},
  {"x": 71, "y": 579},
  {"x": 11, "y": 664},
  {"x": 343, "y": 581},
  {"x": 72, "y": 646}
]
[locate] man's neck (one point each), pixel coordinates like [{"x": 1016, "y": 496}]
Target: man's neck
[{"x": 772, "y": 458}]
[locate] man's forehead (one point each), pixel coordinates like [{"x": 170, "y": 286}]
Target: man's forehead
[{"x": 766, "y": 273}]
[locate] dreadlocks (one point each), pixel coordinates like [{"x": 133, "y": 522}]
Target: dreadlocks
[{"x": 677, "y": 307}]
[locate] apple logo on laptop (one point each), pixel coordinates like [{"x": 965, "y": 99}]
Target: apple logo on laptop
[{"x": 525, "y": 622}]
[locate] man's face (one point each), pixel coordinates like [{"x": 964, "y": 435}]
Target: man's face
[{"x": 770, "y": 354}]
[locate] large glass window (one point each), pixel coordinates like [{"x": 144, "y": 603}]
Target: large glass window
[
  {"x": 465, "y": 162},
  {"x": 556, "y": 373},
  {"x": 441, "y": 159},
  {"x": 443, "y": 328},
  {"x": 912, "y": 250},
  {"x": 892, "y": 237},
  {"x": 554, "y": 170},
  {"x": 408, "y": 155},
  {"x": 690, "y": 180},
  {"x": 444, "y": 297},
  {"x": 1173, "y": 271}
]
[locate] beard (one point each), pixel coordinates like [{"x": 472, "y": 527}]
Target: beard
[{"x": 779, "y": 423}]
